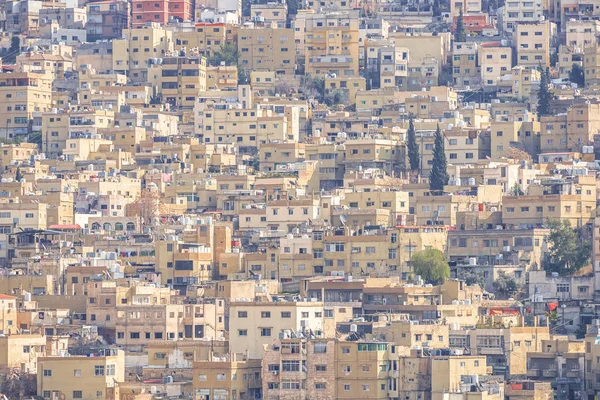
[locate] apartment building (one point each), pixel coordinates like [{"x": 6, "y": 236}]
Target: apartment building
[
  {"x": 254, "y": 325},
  {"x": 505, "y": 349},
  {"x": 263, "y": 48},
  {"x": 182, "y": 263},
  {"x": 21, "y": 351},
  {"x": 332, "y": 44},
  {"x": 273, "y": 14},
  {"x": 559, "y": 358},
  {"x": 161, "y": 12},
  {"x": 248, "y": 128},
  {"x": 591, "y": 65},
  {"x": 495, "y": 61},
  {"x": 520, "y": 11},
  {"x": 132, "y": 52},
  {"x": 107, "y": 20},
  {"x": 573, "y": 201},
  {"x": 533, "y": 41},
  {"x": 59, "y": 127},
  {"x": 570, "y": 131},
  {"x": 23, "y": 94},
  {"x": 81, "y": 377},
  {"x": 509, "y": 134},
  {"x": 465, "y": 68},
  {"x": 179, "y": 80},
  {"x": 204, "y": 36},
  {"x": 233, "y": 376}
]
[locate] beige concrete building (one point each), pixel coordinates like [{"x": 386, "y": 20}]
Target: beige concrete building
[
  {"x": 81, "y": 377},
  {"x": 533, "y": 41},
  {"x": 254, "y": 325},
  {"x": 332, "y": 44},
  {"x": 263, "y": 48}
]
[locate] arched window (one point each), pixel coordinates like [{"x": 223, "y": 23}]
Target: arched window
[
  {"x": 118, "y": 226},
  {"x": 130, "y": 226},
  {"x": 107, "y": 226},
  {"x": 96, "y": 226}
]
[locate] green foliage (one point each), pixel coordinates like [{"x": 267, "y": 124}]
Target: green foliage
[
  {"x": 505, "y": 284},
  {"x": 576, "y": 75},
  {"x": 431, "y": 265},
  {"x": 471, "y": 277},
  {"x": 313, "y": 87},
  {"x": 292, "y": 7},
  {"x": 568, "y": 252},
  {"x": 228, "y": 54},
  {"x": 545, "y": 95},
  {"x": 460, "y": 34},
  {"x": 516, "y": 190},
  {"x": 18, "y": 175},
  {"x": 438, "y": 177},
  {"x": 412, "y": 147},
  {"x": 437, "y": 11}
]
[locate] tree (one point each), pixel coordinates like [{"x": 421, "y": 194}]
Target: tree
[
  {"x": 437, "y": 12},
  {"x": 505, "y": 285},
  {"x": 292, "y": 7},
  {"x": 147, "y": 207},
  {"x": 19, "y": 175},
  {"x": 568, "y": 252},
  {"x": 545, "y": 95},
  {"x": 431, "y": 265},
  {"x": 413, "y": 148},
  {"x": 471, "y": 277},
  {"x": 516, "y": 190},
  {"x": 228, "y": 54},
  {"x": 576, "y": 75},
  {"x": 459, "y": 33},
  {"x": 438, "y": 177}
]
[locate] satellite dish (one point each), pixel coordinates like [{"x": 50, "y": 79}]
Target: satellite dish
[{"x": 343, "y": 219}]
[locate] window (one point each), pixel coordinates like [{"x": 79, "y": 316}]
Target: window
[
  {"x": 99, "y": 370},
  {"x": 290, "y": 365},
  {"x": 286, "y": 314},
  {"x": 265, "y": 314},
  {"x": 320, "y": 386},
  {"x": 320, "y": 348},
  {"x": 220, "y": 377},
  {"x": 321, "y": 368},
  {"x": 202, "y": 377},
  {"x": 242, "y": 314},
  {"x": 77, "y": 394},
  {"x": 265, "y": 332},
  {"x": 562, "y": 288},
  {"x": 242, "y": 332},
  {"x": 110, "y": 370},
  {"x": 47, "y": 372},
  {"x": 346, "y": 388},
  {"x": 76, "y": 373}
]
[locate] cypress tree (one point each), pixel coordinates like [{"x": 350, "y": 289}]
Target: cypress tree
[
  {"x": 413, "y": 149},
  {"x": 18, "y": 175},
  {"x": 438, "y": 177},
  {"x": 459, "y": 33},
  {"x": 437, "y": 12},
  {"x": 544, "y": 95}
]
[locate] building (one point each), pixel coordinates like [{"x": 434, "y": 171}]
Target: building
[
  {"x": 332, "y": 44},
  {"x": 533, "y": 41},
  {"x": 81, "y": 377},
  {"x": 263, "y": 48}
]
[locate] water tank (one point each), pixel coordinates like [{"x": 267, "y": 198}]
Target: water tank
[
  {"x": 471, "y": 181},
  {"x": 353, "y": 328},
  {"x": 472, "y": 261},
  {"x": 27, "y": 296}
]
